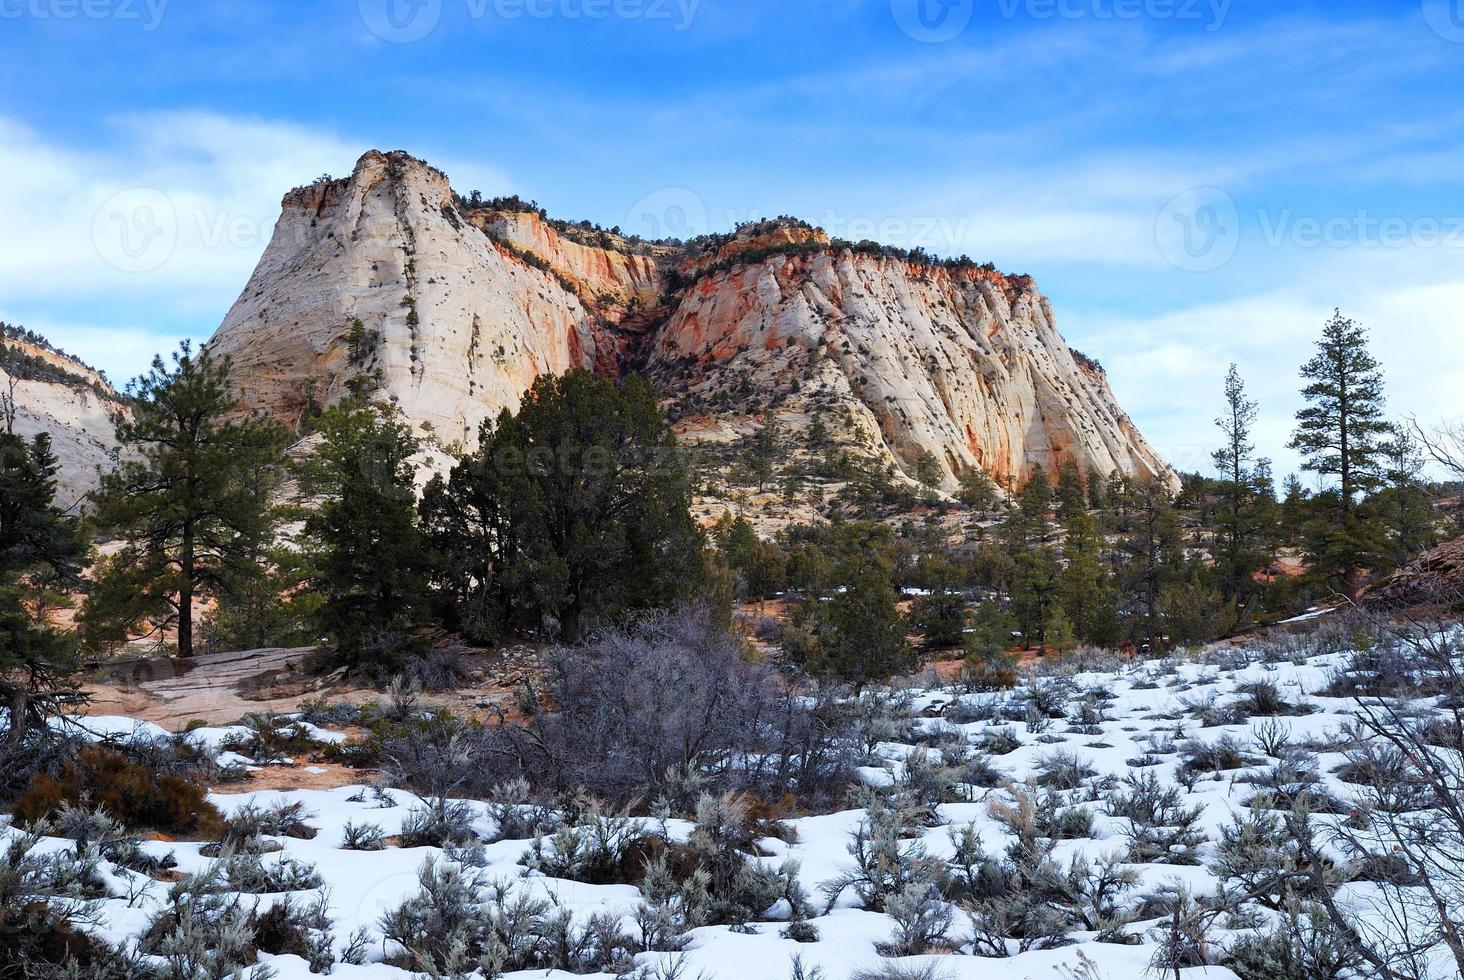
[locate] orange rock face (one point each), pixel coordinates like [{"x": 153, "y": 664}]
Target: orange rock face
[{"x": 453, "y": 311}]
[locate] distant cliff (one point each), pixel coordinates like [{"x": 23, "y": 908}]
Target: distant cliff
[{"x": 44, "y": 390}]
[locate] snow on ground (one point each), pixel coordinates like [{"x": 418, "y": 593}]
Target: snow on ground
[{"x": 1151, "y": 704}]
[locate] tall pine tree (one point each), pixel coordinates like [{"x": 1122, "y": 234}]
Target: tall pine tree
[
  {"x": 1240, "y": 521},
  {"x": 1342, "y": 434},
  {"x": 186, "y": 499}
]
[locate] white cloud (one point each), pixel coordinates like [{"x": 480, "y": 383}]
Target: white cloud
[
  {"x": 1168, "y": 369},
  {"x": 158, "y": 224}
]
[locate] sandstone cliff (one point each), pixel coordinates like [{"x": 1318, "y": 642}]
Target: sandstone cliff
[
  {"x": 450, "y": 308},
  {"x": 43, "y": 390}
]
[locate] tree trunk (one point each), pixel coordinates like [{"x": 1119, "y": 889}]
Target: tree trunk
[
  {"x": 185, "y": 595},
  {"x": 19, "y": 705}
]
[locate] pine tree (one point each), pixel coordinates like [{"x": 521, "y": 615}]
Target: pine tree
[
  {"x": 1071, "y": 494},
  {"x": 188, "y": 499},
  {"x": 1342, "y": 434},
  {"x": 1035, "y": 502},
  {"x": 1097, "y": 492},
  {"x": 978, "y": 491},
  {"x": 41, "y": 552},
  {"x": 767, "y": 446},
  {"x": 1152, "y": 553},
  {"x": 1238, "y": 552},
  {"x": 1035, "y": 592},
  {"x": 860, "y": 633},
  {"x": 369, "y": 562},
  {"x": 1084, "y": 590},
  {"x": 1405, "y": 505}
]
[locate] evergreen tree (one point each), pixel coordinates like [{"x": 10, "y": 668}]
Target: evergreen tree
[
  {"x": 369, "y": 564},
  {"x": 990, "y": 639},
  {"x": 1071, "y": 494},
  {"x": 1152, "y": 552},
  {"x": 1238, "y": 553},
  {"x": 978, "y": 491},
  {"x": 1295, "y": 509},
  {"x": 1035, "y": 592},
  {"x": 767, "y": 446},
  {"x": 1084, "y": 591},
  {"x": 1405, "y": 505},
  {"x": 1342, "y": 434},
  {"x": 41, "y": 552},
  {"x": 188, "y": 499},
  {"x": 759, "y": 564},
  {"x": 1035, "y": 502},
  {"x": 860, "y": 633},
  {"x": 939, "y": 617},
  {"x": 575, "y": 510},
  {"x": 927, "y": 470},
  {"x": 1097, "y": 492}
]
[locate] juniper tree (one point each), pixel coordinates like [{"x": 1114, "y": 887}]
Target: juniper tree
[
  {"x": 187, "y": 499},
  {"x": 574, "y": 510},
  {"x": 1342, "y": 434},
  {"x": 861, "y": 635}
]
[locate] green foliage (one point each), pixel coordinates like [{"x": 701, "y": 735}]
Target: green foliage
[
  {"x": 1071, "y": 492},
  {"x": 368, "y": 564},
  {"x": 570, "y": 513},
  {"x": 928, "y": 471},
  {"x": 1342, "y": 434},
  {"x": 1152, "y": 550},
  {"x": 860, "y": 632},
  {"x": 191, "y": 499},
  {"x": 1243, "y": 524},
  {"x": 767, "y": 447},
  {"x": 41, "y": 551},
  {"x": 760, "y": 565},
  {"x": 978, "y": 491}
]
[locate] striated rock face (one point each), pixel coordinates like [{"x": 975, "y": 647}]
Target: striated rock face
[
  {"x": 380, "y": 276},
  {"x": 45, "y": 391},
  {"x": 451, "y": 310},
  {"x": 963, "y": 364}
]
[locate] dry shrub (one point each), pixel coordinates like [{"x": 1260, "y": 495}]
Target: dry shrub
[{"x": 139, "y": 797}]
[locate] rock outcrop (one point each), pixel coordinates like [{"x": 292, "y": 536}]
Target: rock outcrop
[
  {"x": 43, "y": 390},
  {"x": 1435, "y": 577},
  {"x": 450, "y": 308}
]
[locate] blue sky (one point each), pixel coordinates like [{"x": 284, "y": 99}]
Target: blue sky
[{"x": 1191, "y": 181}]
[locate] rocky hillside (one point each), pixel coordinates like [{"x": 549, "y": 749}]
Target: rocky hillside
[
  {"x": 450, "y": 307},
  {"x": 45, "y": 390}
]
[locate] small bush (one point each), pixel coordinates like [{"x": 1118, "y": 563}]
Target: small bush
[
  {"x": 1063, "y": 770},
  {"x": 363, "y": 837},
  {"x": 139, "y": 797}
]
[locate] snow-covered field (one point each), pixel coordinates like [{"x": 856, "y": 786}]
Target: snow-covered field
[{"x": 1140, "y": 719}]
